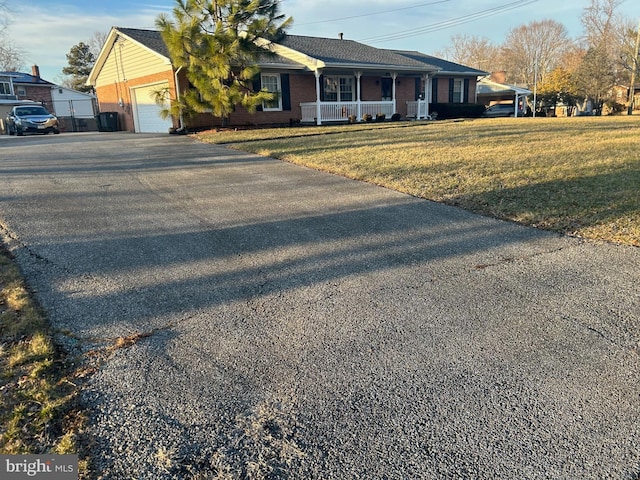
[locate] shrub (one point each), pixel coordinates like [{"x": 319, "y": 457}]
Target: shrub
[
  {"x": 457, "y": 110},
  {"x": 367, "y": 117},
  {"x": 395, "y": 117}
]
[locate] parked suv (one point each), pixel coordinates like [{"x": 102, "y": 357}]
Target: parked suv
[
  {"x": 502, "y": 110},
  {"x": 31, "y": 119}
]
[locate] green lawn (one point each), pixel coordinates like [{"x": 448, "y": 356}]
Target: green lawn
[{"x": 579, "y": 176}]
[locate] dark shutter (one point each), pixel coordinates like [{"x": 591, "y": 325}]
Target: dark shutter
[
  {"x": 257, "y": 86},
  {"x": 257, "y": 83},
  {"x": 451, "y": 86},
  {"x": 466, "y": 90},
  {"x": 321, "y": 88},
  {"x": 418, "y": 92},
  {"x": 286, "y": 91},
  {"x": 434, "y": 90}
]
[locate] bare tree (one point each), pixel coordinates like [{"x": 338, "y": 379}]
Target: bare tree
[
  {"x": 11, "y": 58},
  {"x": 533, "y": 50},
  {"x": 602, "y": 25},
  {"x": 473, "y": 51},
  {"x": 96, "y": 42},
  {"x": 608, "y": 42}
]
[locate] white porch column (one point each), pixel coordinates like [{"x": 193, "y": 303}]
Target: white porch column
[
  {"x": 394, "y": 75},
  {"x": 426, "y": 94},
  {"x": 318, "y": 109},
  {"x": 358, "y": 94}
]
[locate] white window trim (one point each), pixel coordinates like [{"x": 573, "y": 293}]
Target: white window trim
[
  {"x": 458, "y": 81},
  {"x": 339, "y": 91},
  {"x": 7, "y": 86},
  {"x": 265, "y": 108}
]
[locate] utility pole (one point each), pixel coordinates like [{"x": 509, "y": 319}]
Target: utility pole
[{"x": 634, "y": 72}]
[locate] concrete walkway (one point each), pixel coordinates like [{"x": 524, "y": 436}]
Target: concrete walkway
[{"x": 285, "y": 323}]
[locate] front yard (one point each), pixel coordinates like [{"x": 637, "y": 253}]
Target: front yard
[{"x": 579, "y": 176}]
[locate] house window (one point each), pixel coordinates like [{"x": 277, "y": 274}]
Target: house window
[
  {"x": 5, "y": 88},
  {"x": 271, "y": 83},
  {"x": 338, "y": 89},
  {"x": 22, "y": 92},
  {"x": 458, "y": 96}
]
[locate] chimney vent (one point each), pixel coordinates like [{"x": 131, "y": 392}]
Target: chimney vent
[
  {"x": 35, "y": 71},
  {"x": 341, "y": 35}
]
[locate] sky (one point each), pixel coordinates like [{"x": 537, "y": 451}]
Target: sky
[{"x": 45, "y": 30}]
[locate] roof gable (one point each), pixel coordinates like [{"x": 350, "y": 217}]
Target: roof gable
[{"x": 146, "y": 40}]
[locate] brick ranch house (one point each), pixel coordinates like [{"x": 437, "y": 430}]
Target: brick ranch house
[{"x": 318, "y": 80}]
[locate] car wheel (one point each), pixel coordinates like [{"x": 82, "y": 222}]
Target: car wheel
[
  {"x": 56, "y": 131},
  {"x": 19, "y": 132}
]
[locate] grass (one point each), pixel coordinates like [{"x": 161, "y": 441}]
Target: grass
[
  {"x": 578, "y": 176},
  {"x": 38, "y": 412}
]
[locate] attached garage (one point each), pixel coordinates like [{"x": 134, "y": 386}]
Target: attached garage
[{"x": 146, "y": 112}]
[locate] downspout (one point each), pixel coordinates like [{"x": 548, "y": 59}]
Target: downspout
[{"x": 177, "y": 85}]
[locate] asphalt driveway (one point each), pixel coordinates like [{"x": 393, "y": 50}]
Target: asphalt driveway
[{"x": 285, "y": 323}]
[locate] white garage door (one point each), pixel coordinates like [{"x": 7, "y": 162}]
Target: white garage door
[{"x": 147, "y": 111}]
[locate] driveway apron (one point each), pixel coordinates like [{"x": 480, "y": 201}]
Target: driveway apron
[{"x": 279, "y": 322}]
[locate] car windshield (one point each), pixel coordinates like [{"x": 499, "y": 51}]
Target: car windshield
[{"x": 24, "y": 111}]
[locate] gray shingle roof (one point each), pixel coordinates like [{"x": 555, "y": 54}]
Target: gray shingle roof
[
  {"x": 149, "y": 38},
  {"x": 348, "y": 52},
  {"x": 333, "y": 52},
  {"x": 443, "y": 65}
]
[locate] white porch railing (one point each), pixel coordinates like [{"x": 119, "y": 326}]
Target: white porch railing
[
  {"x": 418, "y": 110},
  {"x": 340, "y": 111}
]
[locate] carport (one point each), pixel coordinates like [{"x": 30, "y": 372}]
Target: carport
[{"x": 490, "y": 92}]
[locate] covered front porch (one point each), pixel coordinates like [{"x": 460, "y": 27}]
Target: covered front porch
[
  {"x": 319, "y": 112},
  {"x": 350, "y": 96}
]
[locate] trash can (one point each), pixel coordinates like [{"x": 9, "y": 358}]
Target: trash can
[{"x": 107, "y": 122}]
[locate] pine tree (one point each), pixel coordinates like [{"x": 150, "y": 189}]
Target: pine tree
[
  {"x": 81, "y": 61},
  {"x": 216, "y": 43}
]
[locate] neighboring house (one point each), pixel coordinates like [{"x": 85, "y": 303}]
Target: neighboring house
[
  {"x": 75, "y": 110},
  {"x": 318, "y": 80},
  {"x": 621, "y": 95},
  {"x": 8, "y": 97},
  {"x": 491, "y": 92},
  {"x": 32, "y": 87}
]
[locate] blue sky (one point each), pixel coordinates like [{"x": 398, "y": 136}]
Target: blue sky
[{"x": 45, "y": 30}]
